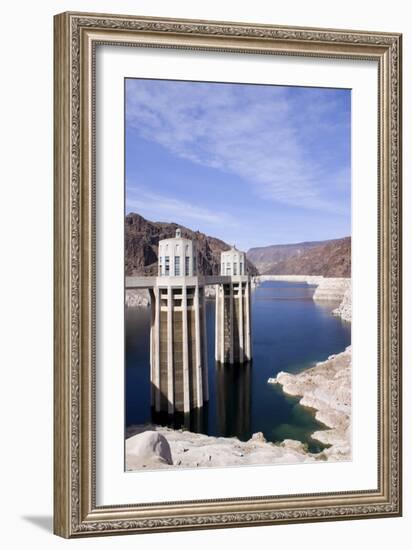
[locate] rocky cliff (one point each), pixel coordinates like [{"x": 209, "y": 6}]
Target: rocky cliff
[
  {"x": 141, "y": 246},
  {"x": 332, "y": 289},
  {"x": 344, "y": 310},
  {"x": 328, "y": 258},
  {"x": 327, "y": 389}
]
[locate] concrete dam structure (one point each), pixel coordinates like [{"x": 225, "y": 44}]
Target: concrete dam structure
[{"x": 178, "y": 341}]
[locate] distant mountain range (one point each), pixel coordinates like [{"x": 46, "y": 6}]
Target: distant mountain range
[
  {"x": 141, "y": 246},
  {"x": 328, "y": 258}
]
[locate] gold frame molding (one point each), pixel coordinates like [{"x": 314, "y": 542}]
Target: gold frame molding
[{"x": 75, "y": 38}]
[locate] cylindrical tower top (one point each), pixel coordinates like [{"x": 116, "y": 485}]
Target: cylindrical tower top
[
  {"x": 177, "y": 257},
  {"x": 233, "y": 262}
]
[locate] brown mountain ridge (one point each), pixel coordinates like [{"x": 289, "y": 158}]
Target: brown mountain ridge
[
  {"x": 141, "y": 246},
  {"x": 330, "y": 258}
]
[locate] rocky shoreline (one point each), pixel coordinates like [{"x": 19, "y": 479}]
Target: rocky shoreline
[
  {"x": 325, "y": 388},
  {"x": 344, "y": 311},
  {"x": 328, "y": 289},
  {"x": 331, "y": 289},
  {"x": 309, "y": 279},
  {"x": 154, "y": 447},
  {"x": 137, "y": 297}
]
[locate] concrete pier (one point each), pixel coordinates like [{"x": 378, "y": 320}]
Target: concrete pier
[{"x": 233, "y": 334}]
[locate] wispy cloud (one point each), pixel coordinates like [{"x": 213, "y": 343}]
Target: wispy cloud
[
  {"x": 165, "y": 208},
  {"x": 265, "y": 138}
]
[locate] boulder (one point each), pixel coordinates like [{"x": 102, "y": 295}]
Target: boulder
[{"x": 149, "y": 448}]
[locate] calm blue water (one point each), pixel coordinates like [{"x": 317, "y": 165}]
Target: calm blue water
[{"x": 291, "y": 332}]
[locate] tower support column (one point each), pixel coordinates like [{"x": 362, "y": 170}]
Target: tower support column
[
  {"x": 156, "y": 350},
  {"x": 217, "y": 323},
  {"x": 222, "y": 324},
  {"x": 233, "y": 331},
  {"x": 248, "y": 334},
  {"x": 240, "y": 322},
  {"x": 185, "y": 350},
  {"x": 205, "y": 372},
  {"x": 198, "y": 351},
  {"x": 170, "y": 388},
  {"x": 231, "y": 323}
]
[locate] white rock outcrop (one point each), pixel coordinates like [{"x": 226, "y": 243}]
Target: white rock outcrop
[
  {"x": 193, "y": 450},
  {"x": 327, "y": 289},
  {"x": 327, "y": 388},
  {"x": 210, "y": 291},
  {"x": 148, "y": 449},
  {"x": 331, "y": 288},
  {"x": 309, "y": 279},
  {"x": 345, "y": 307},
  {"x": 137, "y": 297}
]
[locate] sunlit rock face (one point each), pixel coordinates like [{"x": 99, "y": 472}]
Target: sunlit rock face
[
  {"x": 327, "y": 388},
  {"x": 332, "y": 289},
  {"x": 148, "y": 449},
  {"x": 194, "y": 450},
  {"x": 326, "y": 258},
  {"x": 345, "y": 308},
  {"x": 137, "y": 297}
]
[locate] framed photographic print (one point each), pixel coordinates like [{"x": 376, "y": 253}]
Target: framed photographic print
[{"x": 227, "y": 274}]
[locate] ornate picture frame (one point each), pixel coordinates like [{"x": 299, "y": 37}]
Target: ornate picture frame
[{"x": 76, "y": 36}]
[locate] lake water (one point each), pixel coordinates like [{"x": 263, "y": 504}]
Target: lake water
[{"x": 290, "y": 332}]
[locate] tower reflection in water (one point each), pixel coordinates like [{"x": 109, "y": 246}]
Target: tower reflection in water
[
  {"x": 233, "y": 400},
  {"x": 233, "y": 406},
  {"x": 196, "y": 420}
]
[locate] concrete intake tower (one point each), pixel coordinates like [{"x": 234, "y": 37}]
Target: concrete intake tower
[
  {"x": 178, "y": 330},
  {"x": 233, "y": 317},
  {"x": 178, "y": 336}
]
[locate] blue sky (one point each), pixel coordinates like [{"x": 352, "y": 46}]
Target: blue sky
[{"x": 251, "y": 164}]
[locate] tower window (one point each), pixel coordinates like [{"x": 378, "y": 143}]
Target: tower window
[
  {"x": 235, "y": 268},
  {"x": 241, "y": 269},
  {"x": 167, "y": 265},
  {"x": 177, "y": 266},
  {"x": 187, "y": 265}
]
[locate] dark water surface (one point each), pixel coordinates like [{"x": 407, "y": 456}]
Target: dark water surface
[{"x": 290, "y": 332}]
